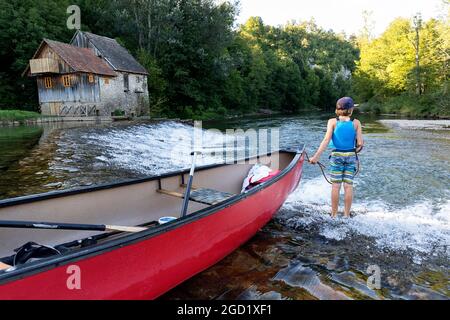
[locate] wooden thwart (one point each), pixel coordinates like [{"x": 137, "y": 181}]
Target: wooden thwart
[
  {"x": 184, "y": 185},
  {"x": 174, "y": 193},
  {"x": 171, "y": 193}
]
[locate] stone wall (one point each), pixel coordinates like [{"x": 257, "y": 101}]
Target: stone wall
[{"x": 113, "y": 96}]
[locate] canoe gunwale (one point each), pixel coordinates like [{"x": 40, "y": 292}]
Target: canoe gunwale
[{"x": 84, "y": 253}]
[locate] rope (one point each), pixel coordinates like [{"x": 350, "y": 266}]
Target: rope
[{"x": 323, "y": 167}]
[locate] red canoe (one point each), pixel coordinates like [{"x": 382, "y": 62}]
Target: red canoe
[{"x": 143, "y": 265}]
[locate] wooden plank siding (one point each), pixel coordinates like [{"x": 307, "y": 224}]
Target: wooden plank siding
[
  {"x": 48, "y": 53},
  {"x": 44, "y": 65},
  {"x": 55, "y": 108},
  {"x": 80, "y": 89}
]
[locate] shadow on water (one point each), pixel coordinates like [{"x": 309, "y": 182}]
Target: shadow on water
[{"x": 16, "y": 142}]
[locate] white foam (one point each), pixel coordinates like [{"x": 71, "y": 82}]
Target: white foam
[
  {"x": 423, "y": 226},
  {"x": 152, "y": 149}
]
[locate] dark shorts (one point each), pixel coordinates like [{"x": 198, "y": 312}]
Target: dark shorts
[{"x": 343, "y": 166}]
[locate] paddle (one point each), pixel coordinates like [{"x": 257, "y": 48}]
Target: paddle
[
  {"x": 67, "y": 226},
  {"x": 184, "y": 208}
]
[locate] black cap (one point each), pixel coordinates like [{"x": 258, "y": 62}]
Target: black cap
[{"x": 345, "y": 103}]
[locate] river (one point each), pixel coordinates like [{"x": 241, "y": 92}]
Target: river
[{"x": 401, "y": 223}]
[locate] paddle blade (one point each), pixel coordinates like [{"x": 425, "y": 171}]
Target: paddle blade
[{"x": 125, "y": 229}]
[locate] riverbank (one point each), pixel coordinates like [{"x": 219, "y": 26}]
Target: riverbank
[
  {"x": 10, "y": 118},
  {"x": 19, "y": 116},
  {"x": 433, "y": 106},
  {"x": 440, "y": 125}
]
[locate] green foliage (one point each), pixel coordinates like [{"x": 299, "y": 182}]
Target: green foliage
[
  {"x": 17, "y": 115},
  {"x": 24, "y": 23},
  {"x": 389, "y": 75},
  {"x": 156, "y": 82},
  {"x": 425, "y": 106},
  {"x": 118, "y": 113},
  {"x": 289, "y": 68}
]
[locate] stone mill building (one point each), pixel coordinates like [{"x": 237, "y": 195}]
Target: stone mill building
[{"x": 90, "y": 77}]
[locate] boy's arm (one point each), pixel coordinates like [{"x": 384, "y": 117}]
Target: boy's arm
[
  {"x": 359, "y": 136},
  {"x": 325, "y": 142}
]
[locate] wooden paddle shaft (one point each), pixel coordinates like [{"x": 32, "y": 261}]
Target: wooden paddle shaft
[{"x": 67, "y": 226}]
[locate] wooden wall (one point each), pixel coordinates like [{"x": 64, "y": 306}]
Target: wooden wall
[
  {"x": 47, "y": 52},
  {"x": 44, "y": 65},
  {"x": 81, "y": 90}
]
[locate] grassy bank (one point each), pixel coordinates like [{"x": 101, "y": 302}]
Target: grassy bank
[
  {"x": 17, "y": 115},
  {"x": 425, "y": 106}
]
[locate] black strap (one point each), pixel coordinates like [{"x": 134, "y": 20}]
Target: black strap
[{"x": 32, "y": 250}]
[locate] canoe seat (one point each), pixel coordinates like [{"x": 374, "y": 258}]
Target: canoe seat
[
  {"x": 209, "y": 196},
  {"x": 201, "y": 195}
]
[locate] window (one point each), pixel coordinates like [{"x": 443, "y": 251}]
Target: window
[
  {"x": 138, "y": 79},
  {"x": 48, "y": 82},
  {"x": 126, "y": 84},
  {"x": 66, "y": 81},
  {"x": 91, "y": 78},
  {"x": 106, "y": 80}
]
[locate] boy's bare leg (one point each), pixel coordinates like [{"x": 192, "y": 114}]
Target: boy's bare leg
[
  {"x": 348, "y": 198},
  {"x": 336, "y": 187}
]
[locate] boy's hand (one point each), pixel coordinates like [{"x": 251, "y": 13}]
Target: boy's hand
[
  {"x": 314, "y": 160},
  {"x": 359, "y": 148}
]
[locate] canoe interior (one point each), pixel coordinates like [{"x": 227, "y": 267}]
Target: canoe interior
[{"x": 130, "y": 204}]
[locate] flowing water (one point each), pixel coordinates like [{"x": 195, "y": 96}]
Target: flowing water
[{"x": 401, "y": 223}]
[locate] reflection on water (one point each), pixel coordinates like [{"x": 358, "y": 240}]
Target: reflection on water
[
  {"x": 15, "y": 143},
  {"x": 402, "y": 204}
]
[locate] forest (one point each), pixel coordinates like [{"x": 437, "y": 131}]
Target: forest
[{"x": 203, "y": 65}]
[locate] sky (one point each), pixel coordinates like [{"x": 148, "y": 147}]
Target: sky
[{"x": 341, "y": 15}]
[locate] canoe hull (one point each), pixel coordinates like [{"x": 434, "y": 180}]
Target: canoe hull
[{"x": 150, "y": 267}]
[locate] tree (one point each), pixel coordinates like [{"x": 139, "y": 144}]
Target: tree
[
  {"x": 417, "y": 25},
  {"x": 386, "y": 62},
  {"x": 24, "y": 23}
]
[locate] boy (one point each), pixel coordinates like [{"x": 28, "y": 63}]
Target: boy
[{"x": 345, "y": 135}]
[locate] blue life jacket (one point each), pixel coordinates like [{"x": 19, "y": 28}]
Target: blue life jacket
[{"x": 344, "y": 136}]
